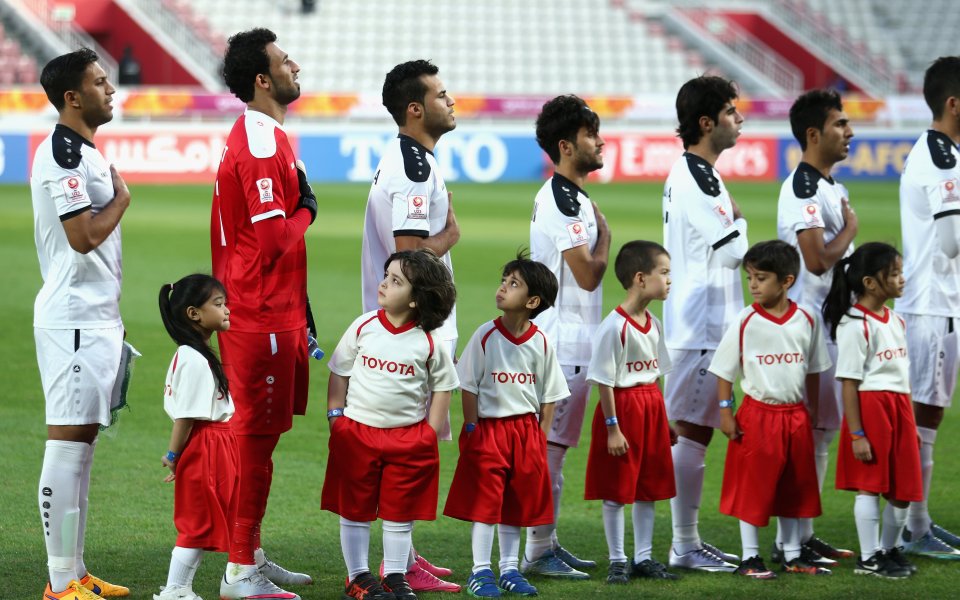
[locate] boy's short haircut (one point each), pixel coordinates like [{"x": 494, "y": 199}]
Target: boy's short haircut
[
  {"x": 638, "y": 256},
  {"x": 540, "y": 280},
  {"x": 773, "y": 256}
]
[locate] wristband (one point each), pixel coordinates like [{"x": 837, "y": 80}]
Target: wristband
[
  {"x": 172, "y": 456},
  {"x": 728, "y": 403},
  {"x": 334, "y": 412},
  {"x": 858, "y": 435},
  {"x": 470, "y": 427},
  {"x": 611, "y": 421}
]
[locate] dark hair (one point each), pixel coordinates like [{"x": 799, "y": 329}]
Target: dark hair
[
  {"x": 433, "y": 291},
  {"x": 638, "y": 256},
  {"x": 403, "y": 85},
  {"x": 702, "y": 96},
  {"x": 811, "y": 110},
  {"x": 773, "y": 256},
  {"x": 873, "y": 259},
  {"x": 540, "y": 280},
  {"x": 246, "y": 58},
  {"x": 175, "y": 298},
  {"x": 561, "y": 119},
  {"x": 941, "y": 81},
  {"x": 65, "y": 73}
]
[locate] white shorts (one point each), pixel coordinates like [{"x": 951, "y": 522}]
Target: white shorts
[
  {"x": 78, "y": 370},
  {"x": 568, "y": 414},
  {"x": 830, "y": 405},
  {"x": 690, "y": 390},
  {"x": 934, "y": 358}
]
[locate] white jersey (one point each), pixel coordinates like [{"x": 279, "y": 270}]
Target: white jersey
[
  {"x": 563, "y": 218},
  {"x": 929, "y": 190},
  {"x": 627, "y": 354},
  {"x": 80, "y": 291},
  {"x": 191, "y": 392},
  {"x": 697, "y": 222},
  {"x": 873, "y": 350},
  {"x": 510, "y": 375},
  {"x": 774, "y": 355},
  {"x": 808, "y": 200},
  {"x": 390, "y": 370},
  {"x": 407, "y": 197}
]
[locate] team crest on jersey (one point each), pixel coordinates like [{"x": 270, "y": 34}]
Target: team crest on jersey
[
  {"x": 949, "y": 191},
  {"x": 73, "y": 189},
  {"x": 723, "y": 215},
  {"x": 811, "y": 215},
  {"x": 578, "y": 233},
  {"x": 265, "y": 189},
  {"x": 416, "y": 207}
]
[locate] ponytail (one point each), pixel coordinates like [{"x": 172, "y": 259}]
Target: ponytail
[{"x": 873, "y": 259}]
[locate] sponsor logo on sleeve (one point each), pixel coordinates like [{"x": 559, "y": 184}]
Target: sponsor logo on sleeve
[
  {"x": 949, "y": 191},
  {"x": 265, "y": 189},
  {"x": 73, "y": 189},
  {"x": 723, "y": 215},
  {"x": 578, "y": 233},
  {"x": 811, "y": 215},
  {"x": 417, "y": 207}
]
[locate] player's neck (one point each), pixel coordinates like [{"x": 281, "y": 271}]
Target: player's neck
[
  {"x": 872, "y": 302},
  {"x": 821, "y": 165},
  {"x": 569, "y": 170},
  {"x": 76, "y": 123},
  {"x": 422, "y": 137},
  {"x": 778, "y": 307},
  {"x": 949, "y": 127},
  {"x": 516, "y": 322},
  {"x": 635, "y": 305},
  {"x": 269, "y": 107},
  {"x": 398, "y": 319},
  {"x": 705, "y": 150}
]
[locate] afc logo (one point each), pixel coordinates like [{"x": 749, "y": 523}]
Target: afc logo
[
  {"x": 811, "y": 209},
  {"x": 577, "y": 228},
  {"x": 264, "y": 184},
  {"x": 73, "y": 183},
  {"x": 415, "y": 207},
  {"x": 949, "y": 192},
  {"x": 578, "y": 233},
  {"x": 721, "y": 213}
]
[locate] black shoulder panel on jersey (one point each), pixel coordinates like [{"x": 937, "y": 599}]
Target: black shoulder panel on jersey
[
  {"x": 702, "y": 173},
  {"x": 565, "y": 195},
  {"x": 66, "y": 147},
  {"x": 941, "y": 150},
  {"x": 805, "y": 181},
  {"x": 414, "y": 159}
]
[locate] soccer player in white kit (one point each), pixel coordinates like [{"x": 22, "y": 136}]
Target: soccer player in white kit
[
  {"x": 78, "y": 201},
  {"x": 408, "y": 208},
  {"x": 706, "y": 236},
  {"x": 569, "y": 234},
  {"x": 930, "y": 305},
  {"x": 815, "y": 217}
]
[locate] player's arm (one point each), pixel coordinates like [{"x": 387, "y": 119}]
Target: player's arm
[
  {"x": 819, "y": 257},
  {"x": 86, "y": 231},
  {"x": 728, "y": 424},
  {"x": 439, "y": 405},
  {"x": 616, "y": 444},
  {"x": 733, "y": 245},
  {"x": 276, "y": 232},
  {"x": 812, "y": 383},
  {"x": 546, "y": 416},
  {"x": 471, "y": 413},
  {"x": 849, "y": 390},
  {"x": 441, "y": 242},
  {"x": 588, "y": 266},
  {"x": 336, "y": 394},
  {"x": 178, "y": 441}
]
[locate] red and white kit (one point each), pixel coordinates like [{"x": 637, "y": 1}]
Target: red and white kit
[{"x": 502, "y": 474}]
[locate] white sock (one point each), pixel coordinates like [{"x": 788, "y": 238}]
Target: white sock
[
  {"x": 866, "y": 512},
  {"x": 688, "y": 466},
  {"x": 613, "y": 528},
  {"x": 893, "y": 521},
  {"x": 412, "y": 555},
  {"x": 259, "y": 557},
  {"x": 918, "y": 517},
  {"x": 397, "y": 539},
  {"x": 749, "y": 539},
  {"x": 183, "y": 566},
  {"x": 790, "y": 529},
  {"x": 58, "y": 497},
  {"x": 355, "y": 544},
  {"x": 642, "y": 531},
  {"x": 82, "y": 505},
  {"x": 542, "y": 538},
  {"x": 481, "y": 538},
  {"x": 509, "y": 536}
]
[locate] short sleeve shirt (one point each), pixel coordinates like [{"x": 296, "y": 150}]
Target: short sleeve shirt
[
  {"x": 408, "y": 197},
  {"x": 191, "y": 392},
  {"x": 872, "y": 349},
  {"x": 80, "y": 291},
  {"x": 627, "y": 354},
  {"x": 563, "y": 218},
  {"x": 391, "y": 370}
]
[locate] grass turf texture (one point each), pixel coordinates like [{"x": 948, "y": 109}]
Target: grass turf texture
[{"x": 130, "y": 532}]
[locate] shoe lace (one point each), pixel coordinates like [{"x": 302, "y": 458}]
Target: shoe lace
[
  {"x": 260, "y": 580},
  {"x": 710, "y": 556},
  {"x": 83, "y": 592}
]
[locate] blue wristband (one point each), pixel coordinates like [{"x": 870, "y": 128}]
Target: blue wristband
[
  {"x": 171, "y": 455},
  {"x": 728, "y": 403},
  {"x": 334, "y": 412},
  {"x": 611, "y": 421},
  {"x": 469, "y": 427}
]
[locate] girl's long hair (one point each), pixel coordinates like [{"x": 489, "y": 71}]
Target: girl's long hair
[
  {"x": 433, "y": 291},
  {"x": 873, "y": 259},
  {"x": 175, "y": 298}
]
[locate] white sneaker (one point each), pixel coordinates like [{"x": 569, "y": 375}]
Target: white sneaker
[
  {"x": 281, "y": 576},
  {"x": 700, "y": 560},
  {"x": 254, "y": 586},
  {"x": 725, "y": 556},
  {"x": 177, "y": 592}
]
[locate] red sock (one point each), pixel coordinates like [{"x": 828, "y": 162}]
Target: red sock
[{"x": 256, "y": 473}]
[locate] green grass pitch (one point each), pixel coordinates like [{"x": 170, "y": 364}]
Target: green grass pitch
[{"x": 165, "y": 232}]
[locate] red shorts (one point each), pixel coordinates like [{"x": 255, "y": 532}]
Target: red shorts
[
  {"x": 502, "y": 474},
  {"x": 205, "y": 490},
  {"x": 391, "y": 474},
  {"x": 887, "y": 419},
  {"x": 269, "y": 378},
  {"x": 645, "y": 472},
  {"x": 770, "y": 469}
]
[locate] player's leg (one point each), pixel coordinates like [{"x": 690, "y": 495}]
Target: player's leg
[
  {"x": 510, "y": 578},
  {"x": 482, "y": 583},
  {"x": 613, "y": 530},
  {"x": 184, "y": 563},
  {"x": 643, "y": 564},
  {"x": 752, "y": 564}
]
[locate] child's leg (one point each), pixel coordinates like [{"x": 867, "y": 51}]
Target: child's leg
[
  {"x": 355, "y": 543},
  {"x": 482, "y": 540},
  {"x": 642, "y": 531},
  {"x": 613, "y": 528},
  {"x": 397, "y": 538},
  {"x": 866, "y": 511},
  {"x": 750, "y": 539},
  {"x": 509, "y": 536},
  {"x": 790, "y": 537},
  {"x": 894, "y": 518},
  {"x": 183, "y": 566}
]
